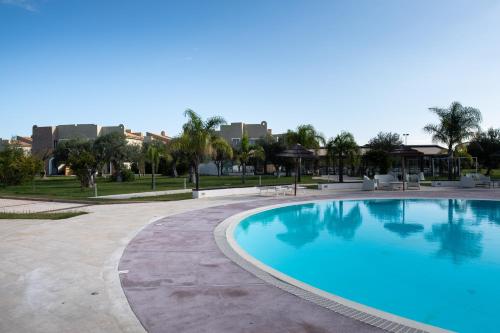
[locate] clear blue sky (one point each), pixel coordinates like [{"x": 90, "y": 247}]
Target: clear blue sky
[{"x": 361, "y": 66}]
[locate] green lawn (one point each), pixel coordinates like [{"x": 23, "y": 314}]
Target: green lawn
[
  {"x": 68, "y": 188},
  {"x": 40, "y": 216}
]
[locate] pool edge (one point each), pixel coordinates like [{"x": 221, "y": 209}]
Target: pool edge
[{"x": 224, "y": 239}]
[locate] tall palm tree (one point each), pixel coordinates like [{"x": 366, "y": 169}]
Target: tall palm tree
[
  {"x": 246, "y": 152},
  {"x": 222, "y": 151},
  {"x": 199, "y": 135},
  {"x": 175, "y": 148},
  {"x": 456, "y": 124},
  {"x": 342, "y": 146},
  {"x": 307, "y": 136},
  {"x": 153, "y": 154}
]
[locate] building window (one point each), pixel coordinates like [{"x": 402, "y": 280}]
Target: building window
[{"x": 235, "y": 141}]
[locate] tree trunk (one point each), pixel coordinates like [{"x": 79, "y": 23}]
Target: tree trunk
[
  {"x": 299, "y": 171},
  {"x": 341, "y": 169},
  {"x": 450, "y": 160},
  {"x": 191, "y": 174},
  {"x": 218, "y": 165},
  {"x": 174, "y": 169},
  {"x": 243, "y": 174},
  {"x": 197, "y": 176},
  {"x": 153, "y": 185}
]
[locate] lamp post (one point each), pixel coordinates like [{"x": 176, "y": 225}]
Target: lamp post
[{"x": 406, "y": 137}]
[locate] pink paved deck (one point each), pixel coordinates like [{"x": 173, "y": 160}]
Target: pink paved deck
[{"x": 179, "y": 281}]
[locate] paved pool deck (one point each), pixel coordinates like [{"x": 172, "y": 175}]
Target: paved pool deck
[
  {"x": 62, "y": 276},
  {"x": 176, "y": 279}
]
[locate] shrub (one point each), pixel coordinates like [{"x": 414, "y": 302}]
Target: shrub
[
  {"x": 124, "y": 175},
  {"x": 17, "y": 168}
]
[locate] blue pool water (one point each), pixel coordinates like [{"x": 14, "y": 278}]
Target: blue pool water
[{"x": 434, "y": 261}]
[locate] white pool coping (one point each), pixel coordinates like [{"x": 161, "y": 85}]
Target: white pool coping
[{"x": 393, "y": 323}]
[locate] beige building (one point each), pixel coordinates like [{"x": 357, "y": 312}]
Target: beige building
[
  {"x": 233, "y": 132},
  {"x": 46, "y": 138},
  {"x": 162, "y": 137},
  {"x": 22, "y": 142}
]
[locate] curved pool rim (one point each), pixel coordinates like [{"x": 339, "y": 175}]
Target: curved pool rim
[{"x": 224, "y": 234}]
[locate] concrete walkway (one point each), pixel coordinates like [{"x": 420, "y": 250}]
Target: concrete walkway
[{"x": 61, "y": 276}]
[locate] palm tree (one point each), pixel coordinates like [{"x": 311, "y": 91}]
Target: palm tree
[
  {"x": 307, "y": 136},
  {"x": 456, "y": 124},
  {"x": 342, "y": 146},
  {"x": 222, "y": 151},
  {"x": 175, "y": 148},
  {"x": 246, "y": 152},
  {"x": 199, "y": 136},
  {"x": 153, "y": 154}
]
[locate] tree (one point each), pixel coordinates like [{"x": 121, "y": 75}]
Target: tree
[
  {"x": 385, "y": 141},
  {"x": 198, "y": 136},
  {"x": 246, "y": 152},
  {"x": 80, "y": 157},
  {"x": 153, "y": 156},
  {"x": 342, "y": 146},
  {"x": 308, "y": 137},
  {"x": 483, "y": 146},
  {"x": 137, "y": 154},
  {"x": 456, "y": 124},
  {"x": 175, "y": 148},
  {"x": 111, "y": 149},
  {"x": 221, "y": 152},
  {"x": 16, "y": 167},
  {"x": 272, "y": 147},
  {"x": 45, "y": 155},
  {"x": 380, "y": 148}
]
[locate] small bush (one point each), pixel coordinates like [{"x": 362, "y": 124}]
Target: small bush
[
  {"x": 16, "y": 167},
  {"x": 125, "y": 175}
]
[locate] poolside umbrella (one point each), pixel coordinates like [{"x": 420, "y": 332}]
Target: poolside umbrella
[
  {"x": 405, "y": 151},
  {"x": 296, "y": 152}
]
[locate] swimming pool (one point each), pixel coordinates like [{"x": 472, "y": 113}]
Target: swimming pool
[{"x": 430, "y": 260}]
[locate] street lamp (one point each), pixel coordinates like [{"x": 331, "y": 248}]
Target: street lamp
[{"x": 406, "y": 137}]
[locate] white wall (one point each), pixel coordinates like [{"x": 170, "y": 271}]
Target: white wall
[
  {"x": 445, "y": 183},
  {"x": 225, "y": 192},
  {"x": 340, "y": 186}
]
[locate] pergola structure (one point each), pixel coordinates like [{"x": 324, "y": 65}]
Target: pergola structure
[
  {"x": 297, "y": 152},
  {"x": 405, "y": 152}
]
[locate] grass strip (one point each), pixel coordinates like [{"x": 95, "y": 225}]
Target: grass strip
[{"x": 40, "y": 216}]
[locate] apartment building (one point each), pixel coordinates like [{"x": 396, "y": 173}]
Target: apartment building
[
  {"x": 46, "y": 138},
  {"x": 233, "y": 132},
  {"x": 22, "y": 142}
]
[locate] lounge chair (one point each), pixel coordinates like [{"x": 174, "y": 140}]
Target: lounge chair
[
  {"x": 369, "y": 184},
  {"x": 475, "y": 179},
  {"x": 384, "y": 181},
  {"x": 483, "y": 180},
  {"x": 467, "y": 182},
  {"x": 413, "y": 182}
]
